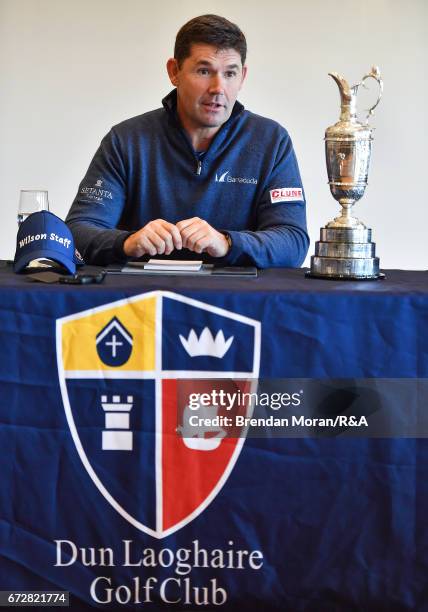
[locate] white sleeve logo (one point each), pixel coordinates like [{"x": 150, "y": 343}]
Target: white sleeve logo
[{"x": 286, "y": 194}]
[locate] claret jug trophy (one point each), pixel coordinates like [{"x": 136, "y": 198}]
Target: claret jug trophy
[{"x": 345, "y": 250}]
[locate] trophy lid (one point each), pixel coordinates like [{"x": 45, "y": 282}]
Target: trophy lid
[{"x": 348, "y": 126}]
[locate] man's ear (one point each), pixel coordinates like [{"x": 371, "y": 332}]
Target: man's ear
[
  {"x": 172, "y": 68},
  {"x": 244, "y": 74}
]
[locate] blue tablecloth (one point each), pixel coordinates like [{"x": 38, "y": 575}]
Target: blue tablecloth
[{"x": 294, "y": 524}]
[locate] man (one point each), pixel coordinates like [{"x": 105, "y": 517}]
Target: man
[{"x": 200, "y": 178}]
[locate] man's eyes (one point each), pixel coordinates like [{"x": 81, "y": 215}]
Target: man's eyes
[{"x": 229, "y": 74}]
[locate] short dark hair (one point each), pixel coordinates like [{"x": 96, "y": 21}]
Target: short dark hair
[{"x": 210, "y": 30}]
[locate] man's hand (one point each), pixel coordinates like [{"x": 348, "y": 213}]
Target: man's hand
[
  {"x": 156, "y": 238},
  {"x": 199, "y": 236}
]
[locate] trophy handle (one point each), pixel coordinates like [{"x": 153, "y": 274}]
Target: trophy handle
[{"x": 373, "y": 74}]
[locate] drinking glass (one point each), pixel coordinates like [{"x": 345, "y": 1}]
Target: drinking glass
[{"x": 31, "y": 201}]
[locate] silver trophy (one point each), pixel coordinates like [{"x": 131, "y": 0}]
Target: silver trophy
[{"x": 345, "y": 250}]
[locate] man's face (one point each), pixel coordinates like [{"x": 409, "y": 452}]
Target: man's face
[{"x": 208, "y": 83}]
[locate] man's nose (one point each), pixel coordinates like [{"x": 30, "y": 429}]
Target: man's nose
[{"x": 217, "y": 84}]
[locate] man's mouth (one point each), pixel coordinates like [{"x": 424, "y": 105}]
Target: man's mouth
[{"x": 213, "y": 105}]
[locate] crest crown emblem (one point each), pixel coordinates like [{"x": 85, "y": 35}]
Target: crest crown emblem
[{"x": 206, "y": 345}]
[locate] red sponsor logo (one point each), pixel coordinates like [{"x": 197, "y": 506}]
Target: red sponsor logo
[{"x": 286, "y": 194}]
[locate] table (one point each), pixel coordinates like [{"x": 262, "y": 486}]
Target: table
[{"x": 312, "y": 523}]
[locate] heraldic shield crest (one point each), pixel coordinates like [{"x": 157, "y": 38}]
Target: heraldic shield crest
[{"x": 127, "y": 370}]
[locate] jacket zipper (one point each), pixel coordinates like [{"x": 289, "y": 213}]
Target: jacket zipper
[{"x": 198, "y": 161}]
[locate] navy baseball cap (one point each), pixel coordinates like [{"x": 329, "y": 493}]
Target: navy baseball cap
[{"x": 44, "y": 235}]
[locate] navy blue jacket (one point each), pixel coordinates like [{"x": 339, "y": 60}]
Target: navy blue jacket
[{"x": 248, "y": 184}]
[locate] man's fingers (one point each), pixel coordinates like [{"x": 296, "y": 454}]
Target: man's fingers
[
  {"x": 175, "y": 235},
  {"x": 168, "y": 232},
  {"x": 147, "y": 246},
  {"x": 185, "y": 223},
  {"x": 191, "y": 230},
  {"x": 156, "y": 240},
  {"x": 161, "y": 238},
  {"x": 199, "y": 236},
  {"x": 197, "y": 240},
  {"x": 152, "y": 239},
  {"x": 138, "y": 245}
]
